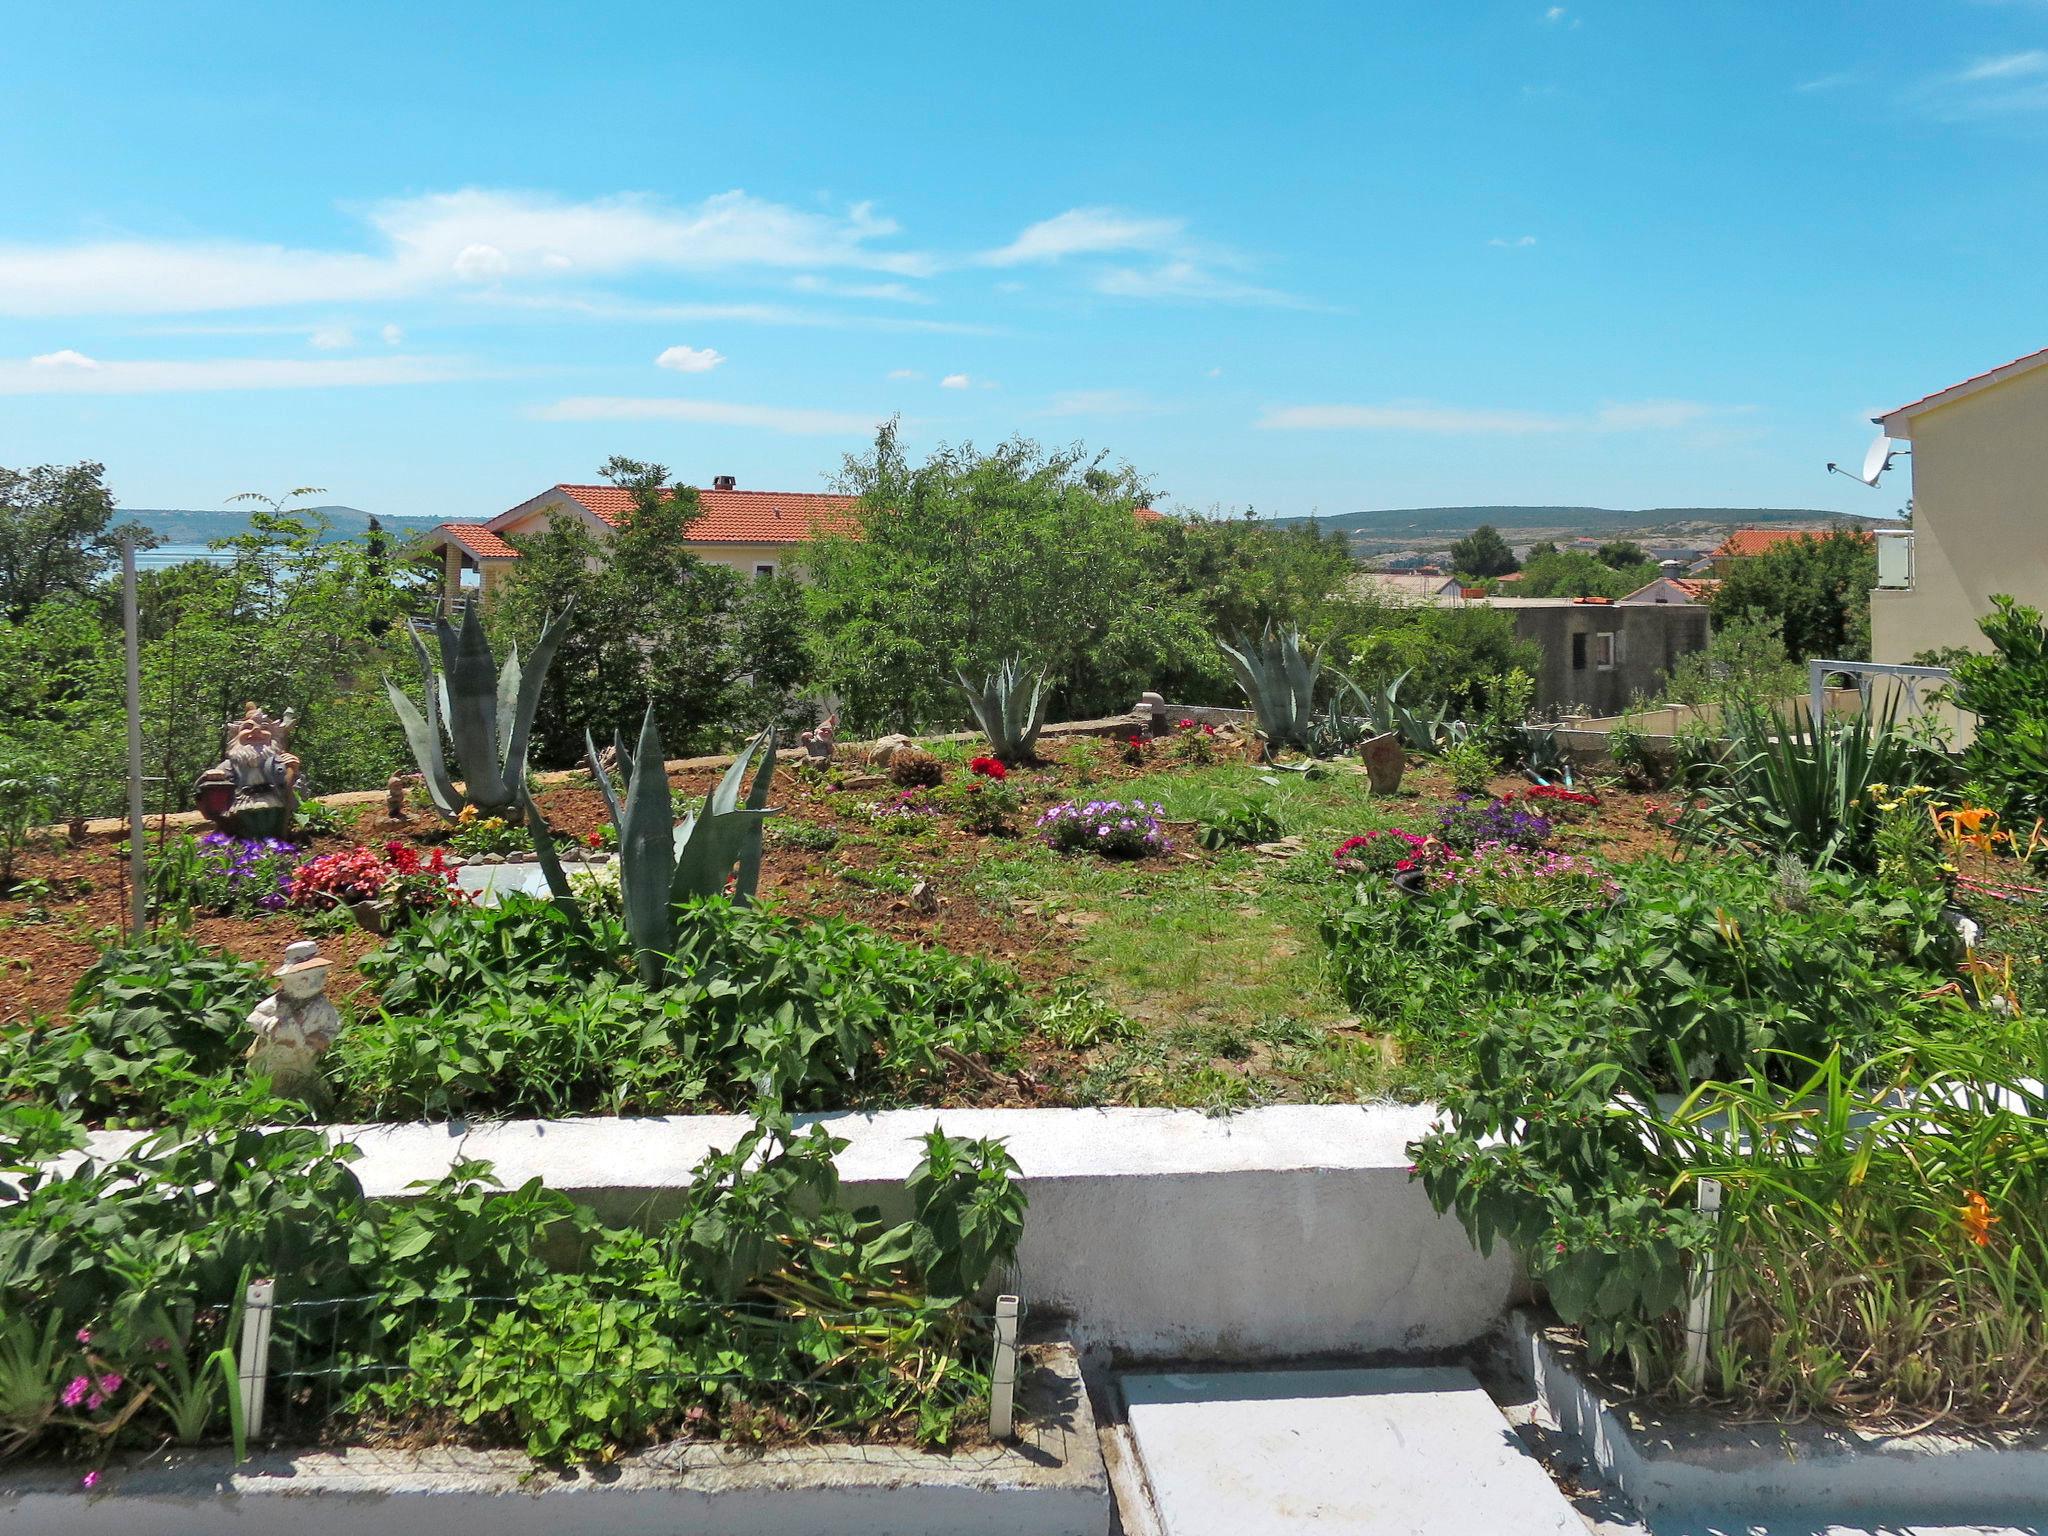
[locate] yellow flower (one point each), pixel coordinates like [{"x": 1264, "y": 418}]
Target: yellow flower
[
  {"x": 466, "y": 815},
  {"x": 1977, "y": 1219}
]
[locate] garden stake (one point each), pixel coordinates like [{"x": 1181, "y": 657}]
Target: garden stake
[
  {"x": 1002, "y": 1376},
  {"x": 1699, "y": 1314},
  {"x": 259, "y": 1306}
]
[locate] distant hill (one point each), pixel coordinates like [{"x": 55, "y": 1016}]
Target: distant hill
[
  {"x": 1392, "y": 522},
  {"x": 175, "y": 526}
]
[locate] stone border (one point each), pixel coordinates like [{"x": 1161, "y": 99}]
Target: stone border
[
  {"x": 1049, "y": 1482},
  {"x": 554, "y": 778},
  {"x": 1280, "y": 1232},
  {"x": 1691, "y": 1463}
]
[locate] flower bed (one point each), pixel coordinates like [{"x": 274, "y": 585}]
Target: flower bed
[{"x": 1115, "y": 829}]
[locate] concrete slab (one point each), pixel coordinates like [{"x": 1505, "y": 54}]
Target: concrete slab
[{"x": 1401, "y": 1452}]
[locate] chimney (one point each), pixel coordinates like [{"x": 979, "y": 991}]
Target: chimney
[
  {"x": 724, "y": 483},
  {"x": 1671, "y": 567}
]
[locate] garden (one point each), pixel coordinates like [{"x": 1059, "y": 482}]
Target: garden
[{"x": 1801, "y": 966}]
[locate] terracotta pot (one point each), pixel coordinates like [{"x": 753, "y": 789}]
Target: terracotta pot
[{"x": 1385, "y": 762}]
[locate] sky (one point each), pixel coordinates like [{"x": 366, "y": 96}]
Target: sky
[{"x": 1300, "y": 258}]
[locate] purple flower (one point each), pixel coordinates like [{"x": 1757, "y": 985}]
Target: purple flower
[
  {"x": 91, "y": 1480},
  {"x": 74, "y": 1391}
]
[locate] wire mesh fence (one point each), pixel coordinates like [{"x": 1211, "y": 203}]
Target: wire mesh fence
[{"x": 318, "y": 1369}]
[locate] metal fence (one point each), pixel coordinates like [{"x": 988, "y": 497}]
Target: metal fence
[
  {"x": 1907, "y": 681},
  {"x": 302, "y": 1364}
]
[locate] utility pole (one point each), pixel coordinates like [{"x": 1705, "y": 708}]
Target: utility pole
[{"x": 138, "y": 892}]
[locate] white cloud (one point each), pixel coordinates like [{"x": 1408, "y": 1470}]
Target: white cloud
[
  {"x": 479, "y": 263},
  {"x": 63, "y": 359},
  {"x": 393, "y": 335},
  {"x": 1554, "y": 14},
  {"x": 1215, "y": 373},
  {"x": 1421, "y": 416},
  {"x": 1989, "y": 87},
  {"x": 904, "y": 373},
  {"x": 2007, "y": 66},
  {"x": 772, "y": 418},
  {"x": 1518, "y": 243},
  {"x": 1829, "y": 82},
  {"x": 329, "y": 338},
  {"x": 690, "y": 359},
  {"x": 417, "y": 245},
  {"x": 889, "y": 293},
  {"x": 75, "y": 376},
  {"x": 955, "y": 381},
  {"x": 1190, "y": 282},
  {"x": 1086, "y": 231}
]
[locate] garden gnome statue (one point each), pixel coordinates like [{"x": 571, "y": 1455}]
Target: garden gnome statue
[
  {"x": 294, "y": 1025},
  {"x": 817, "y": 742},
  {"x": 396, "y": 788},
  {"x": 252, "y": 792}
]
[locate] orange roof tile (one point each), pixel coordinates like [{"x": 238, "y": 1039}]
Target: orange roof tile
[
  {"x": 1758, "y": 541},
  {"x": 478, "y": 540},
  {"x": 739, "y": 517}
]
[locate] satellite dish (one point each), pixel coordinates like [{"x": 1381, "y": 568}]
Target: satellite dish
[{"x": 1875, "y": 462}]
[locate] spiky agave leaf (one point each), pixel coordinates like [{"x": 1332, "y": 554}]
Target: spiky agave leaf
[
  {"x": 423, "y": 734},
  {"x": 647, "y": 859},
  {"x": 525, "y": 693},
  {"x": 1009, "y": 720},
  {"x": 472, "y": 698}
]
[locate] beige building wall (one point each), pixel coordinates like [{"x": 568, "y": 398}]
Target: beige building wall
[{"x": 1980, "y": 518}]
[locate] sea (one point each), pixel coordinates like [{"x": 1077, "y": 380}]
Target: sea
[{"x": 177, "y": 554}]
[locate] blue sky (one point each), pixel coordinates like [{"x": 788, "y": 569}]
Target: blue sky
[{"x": 1304, "y": 258}]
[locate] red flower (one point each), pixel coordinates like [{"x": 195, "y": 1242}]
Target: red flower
[
  {"x": 988, "y": 768},
  {"x": 1187, "y": 724},
  {"x": 595, "y": 840}
]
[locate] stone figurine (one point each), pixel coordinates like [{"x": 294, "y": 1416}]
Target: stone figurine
[
  {"x": 396, "y": 788},
  {"x": 253, "y": 791},
  {"x": 819, "y": 741},
  {"x": 295, "y": 1025}
]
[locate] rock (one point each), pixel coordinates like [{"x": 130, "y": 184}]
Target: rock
[
  {"x": 923, "y": 897},
  {"x": 886, "y": 748}
]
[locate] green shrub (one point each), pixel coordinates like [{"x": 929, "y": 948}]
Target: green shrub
[
  {"x": 28, "y": 790},
  {"x": 146, "y": 1023},
  {"x": 1469, "y": 764},
  {"x": 512, "y": 1010},
  {"x": 2008, "y": 693},
  {"x": 1237, "y": 823}
]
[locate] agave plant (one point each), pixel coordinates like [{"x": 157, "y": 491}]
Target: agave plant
[
  {"x": 663, "y": 861},
  {"x": 1280, "y": 683},
  {"x": 484, "y": 712},
  {"x": 1009, "y": 718}
]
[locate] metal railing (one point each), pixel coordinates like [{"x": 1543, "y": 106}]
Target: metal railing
[{"x": 1910, "y": 680}]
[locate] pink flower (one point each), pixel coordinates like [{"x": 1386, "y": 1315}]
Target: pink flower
[
  {"x": 1186, "y": 725},
  {"x": 85, "y": 1335},
  {"x": 75, "y": 1390},
  {"x": 91, "y": 1480},
  {"x": 110, "y": 1383}
]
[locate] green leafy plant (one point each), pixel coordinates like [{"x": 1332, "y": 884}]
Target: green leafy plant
[
  {"x": 1007, "y": 715},
  {"x": 1279, "y": 682},
  {"x": 1629, "y": 751},
  {"x": 2008, "y": 693},
  {"x": 1469, "y": 764},
  {"x": 318, "y": 818},
  {"x": 1237, "y": 823},
  {"x": 27, "y": 792},
  {"x": 484, "y": 712}
]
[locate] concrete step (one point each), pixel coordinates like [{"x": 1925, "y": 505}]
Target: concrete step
[{"x": 1400, "y": 1452}]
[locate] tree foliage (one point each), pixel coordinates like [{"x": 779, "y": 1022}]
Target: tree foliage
[
  {"x": 55, "y": 538},
  {"x": 1483, "y": 552},
  {"x": 1576, "y": 574},
  {"x": 715, "y": 652},
  {"x": 1818, "y": 587},
  {"x": 970, "y": 558}
]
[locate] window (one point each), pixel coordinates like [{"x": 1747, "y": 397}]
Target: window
[
  {"x": 764, "y": 570},
  {"x": 1605, "y": 648},
  {"x": 1579, "y": 652}
]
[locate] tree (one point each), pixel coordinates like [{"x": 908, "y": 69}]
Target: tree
[
  {"x": 1483, "y": 553},
  {"x": 1577, "y": 574},
  {"x": 971, "y": 557},
  {"x": 1622, "y": 554},
  {"x": 1448, "y": 654},
  {"x": 1817, "y": 586},
  {"x": 717, "y": 654},
  {"x": 54, "y": 534},
  {"x": 1744, "y": 665}
]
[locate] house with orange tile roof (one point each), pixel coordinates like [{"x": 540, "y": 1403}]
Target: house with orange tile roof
[
  {"x": 752, "y": 532},
  {"x": 1979, "y": 457},
  {"x": 1674, "y": 589},
  {"x": 1746, "y": 543}
]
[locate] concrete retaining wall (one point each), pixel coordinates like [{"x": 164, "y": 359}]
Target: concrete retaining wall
[{"x": 1284, "y": 1231}]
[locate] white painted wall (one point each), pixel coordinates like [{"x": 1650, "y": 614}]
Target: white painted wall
[{"x": 1290, "y": 1230}]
